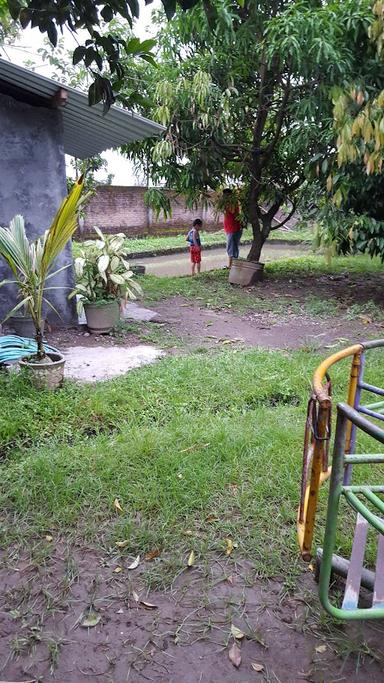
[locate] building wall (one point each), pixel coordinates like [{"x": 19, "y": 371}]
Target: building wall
[
  {"x": 33, "y": 183},
  {"x": 122, "y": 209}
]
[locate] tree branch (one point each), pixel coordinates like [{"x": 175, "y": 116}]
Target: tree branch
[{"x": 279, "y": 225}]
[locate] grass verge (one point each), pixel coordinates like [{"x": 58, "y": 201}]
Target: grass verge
[
  {"x": 303, "y": 275},
  {"x": 150, "y": 246},
  {"x": 196, "y": 450}
]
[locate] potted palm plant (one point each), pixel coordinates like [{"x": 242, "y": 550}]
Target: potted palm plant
[
  {"x": 32, "y": 266},
  {"x": 103, "y": 280}
]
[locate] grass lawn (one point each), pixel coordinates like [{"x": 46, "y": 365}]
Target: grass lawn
[
  {"x": 196, "y": 450},
  {"x": 302, "y": 275},
  {"x": 153, "y": 245}
]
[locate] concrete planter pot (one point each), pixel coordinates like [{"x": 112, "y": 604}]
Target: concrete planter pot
[
  {"x": 23, "y": 326},
  {"x": 138, "y": 269},
  {"x": 102, "y": 317},
  {"x": 245, "y": 273},
  {"x": 45, "y": 374}
]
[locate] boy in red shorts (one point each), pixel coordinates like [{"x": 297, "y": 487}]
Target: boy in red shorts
[{"x": 193, "y": 238}]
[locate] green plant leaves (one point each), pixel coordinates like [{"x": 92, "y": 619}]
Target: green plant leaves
[{"x": 102, "y": 270}]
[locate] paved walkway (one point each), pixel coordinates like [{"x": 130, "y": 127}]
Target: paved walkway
[{"x": 178, "y": 264}]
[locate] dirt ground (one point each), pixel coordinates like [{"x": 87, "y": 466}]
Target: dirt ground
[{"x": 182, "y": 635}]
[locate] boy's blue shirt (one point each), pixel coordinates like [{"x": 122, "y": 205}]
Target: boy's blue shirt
[{"x": 192, "y": 239}]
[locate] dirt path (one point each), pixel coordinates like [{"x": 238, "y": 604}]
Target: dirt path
[
  {"x": 182, "y": 635},
  {"x": 202, "y": 327},
  {"x": 178, "y": 264}
]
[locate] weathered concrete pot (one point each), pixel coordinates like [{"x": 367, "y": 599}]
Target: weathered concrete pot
[
  {"x": 47, "y": 374},
  {"x": 138, "y": 269},
  {"x": 245, "y": 273},
  {"x": 103, "y": 317},
  {"x": 23, "y": 326}
]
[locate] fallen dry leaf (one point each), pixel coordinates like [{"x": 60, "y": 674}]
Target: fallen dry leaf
[
  {"x": 90, "y": 620},
  {"x": 152, "y": 555},
  {"x": 234, "y": 655},
  {"x": 135, "y": 596},
  {"x": 148, "y": 605},
  {"x": 135, "y": 563},
  {"x": 117, "y": 506},
  {"x": 121, "y": 544},
  {"x": 257, "y": 667},
  {"x": 229, "y": 544},
  {"x": 191, "y": 559},
  {"x": 211, "y": 518},
  {"x": 194, "y": 447},
  {"x": 321, "y": 648},
  {"x": 236, "y": 632}
]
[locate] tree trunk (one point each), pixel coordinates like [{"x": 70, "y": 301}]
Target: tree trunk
[
  {"x": 261, "y": 227},
  {"x": 40, "y": 345},
  {"x": 257, "y": 243}
]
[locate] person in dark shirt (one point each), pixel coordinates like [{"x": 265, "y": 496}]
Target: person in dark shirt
[
  {"x": 193, "y": 238},
  {"x": 232, "y": 226}
]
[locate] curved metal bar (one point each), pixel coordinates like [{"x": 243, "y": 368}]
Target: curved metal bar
[
  {"x": 361, "y": 422},
  {"x": 373, "y": 344},
  {"x": 320, "y": 372}
]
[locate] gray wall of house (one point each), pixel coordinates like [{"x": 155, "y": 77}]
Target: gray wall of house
[{"x": 33, "y": 183}]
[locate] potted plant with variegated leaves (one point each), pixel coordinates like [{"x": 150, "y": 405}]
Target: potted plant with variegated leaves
[{"x": 104, "y": 281}]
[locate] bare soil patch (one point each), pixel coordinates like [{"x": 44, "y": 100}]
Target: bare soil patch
[
  {"x": 184, "y": 637},
  {"x": 203, "y": 327}
]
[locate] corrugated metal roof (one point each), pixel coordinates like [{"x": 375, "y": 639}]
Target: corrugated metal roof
[{"x": 86, "y": 130}]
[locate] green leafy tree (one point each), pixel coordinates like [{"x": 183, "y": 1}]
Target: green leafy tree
[
  {"x": 351, "y": 217},
  {"x": 248, "y": 102},
  {"x": 8, "y": 28},
  {"x": 103, "y": 52}
]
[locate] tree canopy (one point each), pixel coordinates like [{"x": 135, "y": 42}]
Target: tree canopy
[
  {"x": 248, "y": 101},
  {"x": 103, "y": 51}
]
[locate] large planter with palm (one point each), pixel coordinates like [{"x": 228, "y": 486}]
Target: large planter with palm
[
  {"x": 104, "y": 281},
  {"x": 33, "y": 267}
]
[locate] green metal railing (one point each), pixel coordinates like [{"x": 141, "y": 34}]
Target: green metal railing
[{"x": 366, "y": 517}]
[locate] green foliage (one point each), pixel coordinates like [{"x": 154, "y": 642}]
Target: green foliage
[
  {"x": 102, "y": 270},
  {"x": 158, "y": 201},
  {"x": 32, "y": 263},
  {"x": 253, "y": 122},
  {"x": 88, "y": 168},
  {"x": 101, "y": 50},
  {"x": 8, "y": 28},
  {"x": 358, "y": 111}
]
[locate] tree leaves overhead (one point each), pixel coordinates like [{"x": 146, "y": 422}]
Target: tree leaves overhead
[
  {"x": 99, "y": 51},
  {"x": 248, "y": 101}
]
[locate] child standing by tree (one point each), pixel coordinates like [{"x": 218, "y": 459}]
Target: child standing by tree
[{"x": 193, "y": 238}]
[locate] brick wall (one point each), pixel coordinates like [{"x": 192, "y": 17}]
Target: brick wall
[{"x": 121, "y": 209}]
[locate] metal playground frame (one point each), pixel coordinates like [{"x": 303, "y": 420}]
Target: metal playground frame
[{"x": 364, "y": 500}]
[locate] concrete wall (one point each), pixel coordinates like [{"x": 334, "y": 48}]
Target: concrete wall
[
  {"x": 122, "y": 209},
  {"x": 33, "y": 183}
]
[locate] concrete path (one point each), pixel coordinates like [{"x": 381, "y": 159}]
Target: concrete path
[
  {"x": 178, "y": 264},
  {"x": 96, "y": 363}
]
